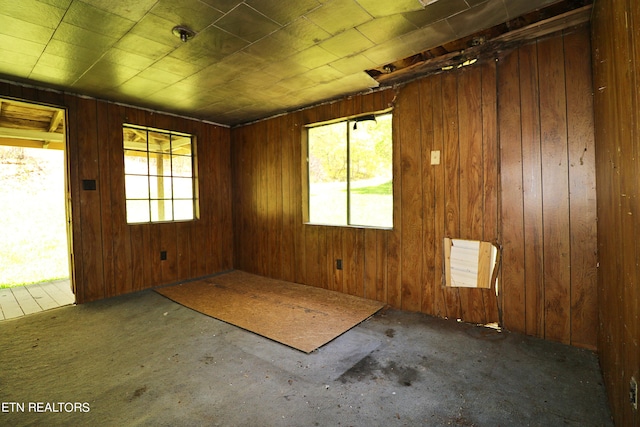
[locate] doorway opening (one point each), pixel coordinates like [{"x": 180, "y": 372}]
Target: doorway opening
[{"x": 35, "y": 260}]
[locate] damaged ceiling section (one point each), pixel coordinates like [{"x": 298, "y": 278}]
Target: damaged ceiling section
[
  {"x": 485, "y": 45},
  {"x": 233, "y": 62}
]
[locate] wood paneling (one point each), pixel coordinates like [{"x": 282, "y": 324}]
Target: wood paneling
[
  {"x": 111, "y": 257},
  {"x": 616, "y": 56},
  {"x": 516, "y": 168},
  {"x": 548, "y": 191}
]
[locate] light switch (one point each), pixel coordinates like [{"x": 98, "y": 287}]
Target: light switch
[{"x": 435, "y": 157}]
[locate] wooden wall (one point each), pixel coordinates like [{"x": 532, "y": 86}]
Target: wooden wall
[
  {"x": 548, "y": 190},
  {"x": 110, "y": 256},
  {"x": 516, "y": 142},
  {"x": 616, "y": 65}
]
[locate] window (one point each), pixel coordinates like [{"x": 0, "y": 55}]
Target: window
[
  {"x": 350, "y": 173},
  {"x": 158, "y": 174}
]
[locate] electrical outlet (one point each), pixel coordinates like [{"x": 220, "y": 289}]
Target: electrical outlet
[
  {"x": 339, "y": 264},
  {"x": 163, "y": 255},
  {"x": 633, "y": 393}
]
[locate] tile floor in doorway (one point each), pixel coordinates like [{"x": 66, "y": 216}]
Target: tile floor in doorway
[{"x": 22, "y": 300}]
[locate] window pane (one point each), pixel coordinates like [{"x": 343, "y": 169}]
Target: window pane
[
  {"x": 159, "y": 182},
  {"x": 160, "y": 187},
  {"x": 182, "y": 209},
  {"x": 182, "y": 188},
  {"x": 181, "y": 165},
  {"x": 159, "y": 164},
  {"x": 134, "y": 139},
  {"x": 158, "y": 142},
  {"x": 371, "y": 172},
  {"x": 328, "y": 174},
  {"x": 161, "y": 210},
  {"x": 137, "y": 211},
  {"x": 135, "y": 162},
  {"x": 136, "y": 187},
  {"x": 181, "y": 145}
]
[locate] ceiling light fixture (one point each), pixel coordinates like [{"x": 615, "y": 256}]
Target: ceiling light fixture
[
  {"x": 426, "y": 3},
  {"x": 183, "y": 33}
]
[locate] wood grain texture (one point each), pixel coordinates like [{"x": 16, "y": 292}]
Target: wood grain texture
[
  {"x": 616, "y": 52},
  {"x": 301, "y": 317},
  {"x": 111, "y": 257},
  {"x": 512, "y": 281},
  {"x": 485, "y": 121}
]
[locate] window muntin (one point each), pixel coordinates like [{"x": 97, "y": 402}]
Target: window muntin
[
  {"x": 350, "y": 172},
  {"x": 159, "y": 178}
]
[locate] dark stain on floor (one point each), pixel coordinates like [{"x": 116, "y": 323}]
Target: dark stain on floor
[{"x": 368, "y": 368}]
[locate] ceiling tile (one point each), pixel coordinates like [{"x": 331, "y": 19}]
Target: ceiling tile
[
  {"x": 32, "y": 11},
  {"x": 428, "y": 37},
  {"x": 127, "y": 59},
  {"x": 62, "y": 4},
  {"x": 12, "y": 44},
  {"x": 479, "y": 18},
  {"x": 436, "y": 12},
  {"x": 59, "y": 68},
  {"x": 266, "y": 82},
  {"x": 338, "y": 15},
  {"x": 161, "y": 76},
  {"x": 82, "y": 37},
  {"x": 286, "y": 68},
  {"x": 25, "y": 30},
  {"x": 477, "y": 2},
  {"x": 97, "y": 20},
  {"x": 18, "y": 60},
  {"x": 346, "y": 43},
  {"x": 323, "y": 74},
  {"x": 133, "y": 10},
  {"x": 222, "y": 5},
  {"x": 313, "y": 57},
  {"x": 216, "y": 74},
  {"x": 388, "y": 52},
  {"x": 381, "y": 30},
  {"x": 192, "y": 13},
  {"x": 275, "y": 47},
  {"x": 52, "y": 76},
  {"x": 283, "y": 15},
  {"x": 181, "y": 91},
  {"x": 176, "y": 66},
  {"x": 72, "y": 52},
  {"x": 298, "y": 82},
  {"x": 62, "y": 63},
  {"x": 378, "y": 8},
  {"x": 247, "y": 23},
  {"x": 353, "y": 64},
  {"x": 209, "y": 46},
  {"x": 105, "y": 75},
  {"x": 140, "y": 87},
  {"x": 165, "y": 97},
  {"x": 243, "y": 62},
  {"x": 306, "y": 32},
  {"x": 142, "y": 46},
  {"x": 19, "y": 69},
  {"x": 156, "y": 28}
]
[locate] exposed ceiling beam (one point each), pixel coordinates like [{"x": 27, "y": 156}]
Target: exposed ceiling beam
[
  {"x": 27, "y": 143},
  {"x": 55, "y": 120},
  {"x": 34, "y": 135}
]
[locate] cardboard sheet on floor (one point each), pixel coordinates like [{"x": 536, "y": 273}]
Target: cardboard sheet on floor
[{"x": 302, "y": 317}]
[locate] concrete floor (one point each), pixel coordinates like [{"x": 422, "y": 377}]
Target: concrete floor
[{"x": 142, "y": 359}]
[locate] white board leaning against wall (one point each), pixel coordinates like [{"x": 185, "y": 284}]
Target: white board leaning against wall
[{"x": 469, "y": 263}]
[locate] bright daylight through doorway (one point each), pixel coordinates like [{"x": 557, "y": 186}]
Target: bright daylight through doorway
[{"x": 34, "y": 256}]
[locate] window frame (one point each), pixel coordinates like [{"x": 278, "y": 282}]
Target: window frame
[
  {"x": 194, "y": 199},
  {"x": 306, "y": 184}
]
